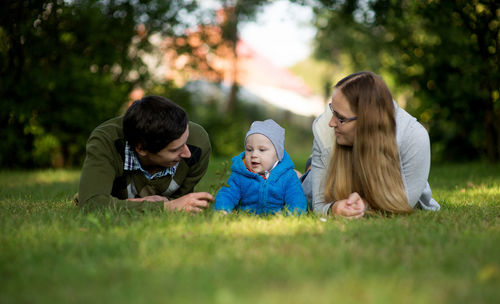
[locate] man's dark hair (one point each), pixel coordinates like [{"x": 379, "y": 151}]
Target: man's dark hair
[{"x": 153, "y": 122}]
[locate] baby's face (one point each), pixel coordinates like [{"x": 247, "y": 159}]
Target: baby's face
[{"x": 260, "y": 154}]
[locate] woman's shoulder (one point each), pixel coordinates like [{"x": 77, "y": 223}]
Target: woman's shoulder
[
  {"x": 408, "y": 129},
  {"x": 411, "y": 136}
]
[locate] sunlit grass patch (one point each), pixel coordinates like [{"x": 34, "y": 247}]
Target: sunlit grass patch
[
  {"x": 15, "y": 178},
  {"x": 39, "y": 185},
  {"x": 57, "y": 253}
]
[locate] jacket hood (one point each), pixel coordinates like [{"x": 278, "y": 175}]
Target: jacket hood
[{"x": 284, "y": 165}]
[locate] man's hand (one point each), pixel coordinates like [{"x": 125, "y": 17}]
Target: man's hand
[
  {"x": 192, "y": 202},
  {"x": 353, "y": 207},
  {"x": 151, "y": 198}
]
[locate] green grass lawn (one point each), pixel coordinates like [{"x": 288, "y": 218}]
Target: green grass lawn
[{"x": 50, "y": 252}]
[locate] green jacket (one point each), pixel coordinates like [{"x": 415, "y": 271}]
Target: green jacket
[{"x": 104, "y": 183}]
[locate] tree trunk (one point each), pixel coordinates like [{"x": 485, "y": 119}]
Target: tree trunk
[
  {"x": 232, "y": 98},
  {"x": 232, "y": 28}
]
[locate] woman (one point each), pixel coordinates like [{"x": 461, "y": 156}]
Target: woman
[{"x": 368, "y": 153}]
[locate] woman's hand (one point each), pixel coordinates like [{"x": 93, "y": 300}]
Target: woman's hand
[{"x": 353, "y": 207}]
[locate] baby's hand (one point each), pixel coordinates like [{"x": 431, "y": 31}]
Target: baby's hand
[{"x": 221, "y": 213}]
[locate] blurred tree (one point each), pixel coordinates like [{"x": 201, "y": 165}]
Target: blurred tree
[
  {"x": 212, "y": 46},
  {"x": 66, "y": 66},
  {"x": 236, "y": 11},
  {"x": 445, "y": 52}
]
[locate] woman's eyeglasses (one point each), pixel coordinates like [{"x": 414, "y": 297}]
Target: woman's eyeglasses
[{"x": 341, "y": 119}]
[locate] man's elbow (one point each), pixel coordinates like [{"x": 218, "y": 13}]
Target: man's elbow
[{"x": 94, "y": 202}]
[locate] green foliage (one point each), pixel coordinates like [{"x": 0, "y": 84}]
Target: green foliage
[
  {"x": 445, "y": 53},
  {"x": 67, "y": 66},
  {"x": 55, "y": 253},
  {"x": 298, "y": 142},
  {"x": 221, "y": 176},
  {"x": 227, "y": 130},
  {"x": 317, "y": 74},
  {"x": 46, "y": 149},
  {"x": 178, "y": 95}
]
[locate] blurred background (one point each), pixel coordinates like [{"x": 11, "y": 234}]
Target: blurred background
[{"x": 67, "y": 66}]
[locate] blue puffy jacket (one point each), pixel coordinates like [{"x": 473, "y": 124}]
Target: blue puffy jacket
[{"x": 248, "y": 191}]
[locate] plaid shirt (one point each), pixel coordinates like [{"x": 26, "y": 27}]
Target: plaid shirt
[{"x": 131, "y": 163}]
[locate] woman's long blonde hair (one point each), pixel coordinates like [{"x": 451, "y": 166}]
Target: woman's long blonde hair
[{"x": 371, "y": 166}]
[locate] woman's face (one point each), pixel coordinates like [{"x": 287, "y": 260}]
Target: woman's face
[{"x": 343, "y": 119}]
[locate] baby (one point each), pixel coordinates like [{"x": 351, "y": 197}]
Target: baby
[{"x": 263, "y": 180}]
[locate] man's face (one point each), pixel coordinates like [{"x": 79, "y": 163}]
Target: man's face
[
  {"x": 168, "y": 156},
  {"x": 260, "y": 154}
]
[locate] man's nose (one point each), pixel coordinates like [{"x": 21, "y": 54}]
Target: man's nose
[{"x": 186, "y": 153}]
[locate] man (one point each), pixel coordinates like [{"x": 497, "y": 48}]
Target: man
[{"x": 151, "y": 158}]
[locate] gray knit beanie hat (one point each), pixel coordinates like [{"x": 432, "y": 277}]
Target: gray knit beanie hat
[{"x": 270, "y": 129}]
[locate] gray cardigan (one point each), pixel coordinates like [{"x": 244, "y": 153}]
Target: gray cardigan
[{"x": 414, "y": 158}]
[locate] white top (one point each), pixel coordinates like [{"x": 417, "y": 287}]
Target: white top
[{"x": 414, "y": 158}]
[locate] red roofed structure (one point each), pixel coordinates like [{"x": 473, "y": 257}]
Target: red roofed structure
[{"x": 212, "y": 60}]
